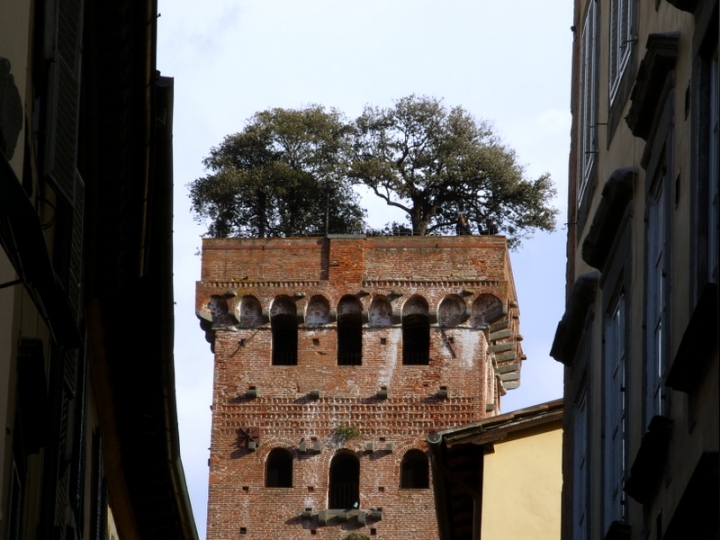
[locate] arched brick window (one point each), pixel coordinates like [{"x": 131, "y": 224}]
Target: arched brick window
[
  {"x": 278, "y": 468},
  {"x": 344, "y": 490},
  {"x": 414, "y": 472},
  {"x": 284, "y": 326},
  {"x": 349, "y": 331},
  {"x": 416, "y": 332}
]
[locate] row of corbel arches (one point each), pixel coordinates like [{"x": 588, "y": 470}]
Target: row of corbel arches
[
  {"x": 452, "y": 310},
  {"x": 415, "y": 318}
]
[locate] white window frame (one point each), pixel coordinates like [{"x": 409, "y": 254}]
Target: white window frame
[
  {"x": 587, "y": 124},
  {"x": 615, "y": 410},
  {"x": 621, "y": 42}
]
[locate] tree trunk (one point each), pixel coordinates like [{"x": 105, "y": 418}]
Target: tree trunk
[{"x": 262, "y": 214}]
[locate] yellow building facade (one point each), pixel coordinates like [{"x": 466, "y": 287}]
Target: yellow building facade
[{"x": 500, "y": 477}]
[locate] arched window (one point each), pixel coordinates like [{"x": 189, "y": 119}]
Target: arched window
[
  {"x": 283, "y": 323},
  {"x": 349, "y": 331},
  {"x": 344, "y": 481},
  {"x": 416, "y": 332},
  {"x": 278, "y": 468},
  {"x": 414, "y": 470}
]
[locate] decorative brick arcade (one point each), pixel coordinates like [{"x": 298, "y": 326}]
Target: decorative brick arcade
[{"x": 334, "y": 359}]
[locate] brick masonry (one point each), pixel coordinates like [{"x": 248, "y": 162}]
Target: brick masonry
[{"x": 474, "y": 355}]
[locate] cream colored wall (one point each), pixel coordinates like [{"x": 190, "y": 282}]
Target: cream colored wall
[{"x": 522, "y": 482}]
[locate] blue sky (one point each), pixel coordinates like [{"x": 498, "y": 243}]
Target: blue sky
[{"x": 506, "y": 62}]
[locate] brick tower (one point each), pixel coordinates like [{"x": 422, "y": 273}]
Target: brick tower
[{"x": 334, "y": 359}]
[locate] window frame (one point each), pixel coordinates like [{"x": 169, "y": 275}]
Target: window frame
[
  {"x": 659, "y": 165},
  {"x": 580, "y": 466},
  {"x": 587, "y": 104},
  {"x": 621, "y": 42},
  {"x": 615, "y": 406}
]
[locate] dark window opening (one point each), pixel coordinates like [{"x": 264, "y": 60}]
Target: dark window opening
[
  {"x": 344, "y": 482},
  {"x": 414, "y": 471},
  {"x": 349, "y": 330},
  {"x": 284, "y": 339},
  {"x": 416, "y": 340},
  {"x": 278, "y": 470}
]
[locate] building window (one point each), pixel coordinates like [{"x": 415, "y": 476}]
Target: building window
[
  {"x": 349, "y": 331},
  {"x": 344, "y": 481},
  {"x": 621, "y": 42},
  {"x": 414, "y": 472},
  {"x": 656, "y": 299},
  {"x": 587, "y": 124},
  {"x": 284, "y": 326},
  {"x": 580, "y": 468},
  {"x": 615, "y": 406},
  {"x": 416, "y": 332},
  {"x": 278, "y": 469}
]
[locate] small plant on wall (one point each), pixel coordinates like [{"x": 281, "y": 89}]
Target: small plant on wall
[{"x": 345, "y": 432}]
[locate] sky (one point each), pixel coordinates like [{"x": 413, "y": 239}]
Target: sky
[{"x": 506, "y": 62}]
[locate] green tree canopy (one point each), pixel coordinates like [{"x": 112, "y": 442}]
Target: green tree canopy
[
  {"x": 291, "y": 172},
  {"x": 280, "y": 176},
  {"x": 436, "y": 164}
]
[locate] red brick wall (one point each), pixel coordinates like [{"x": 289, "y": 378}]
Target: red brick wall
[{"x": 433, "y": 267}]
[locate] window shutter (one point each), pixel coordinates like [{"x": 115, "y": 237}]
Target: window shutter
[
  {"x": 63, "y": 45},
  {"x": 65, "y": 33}
]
